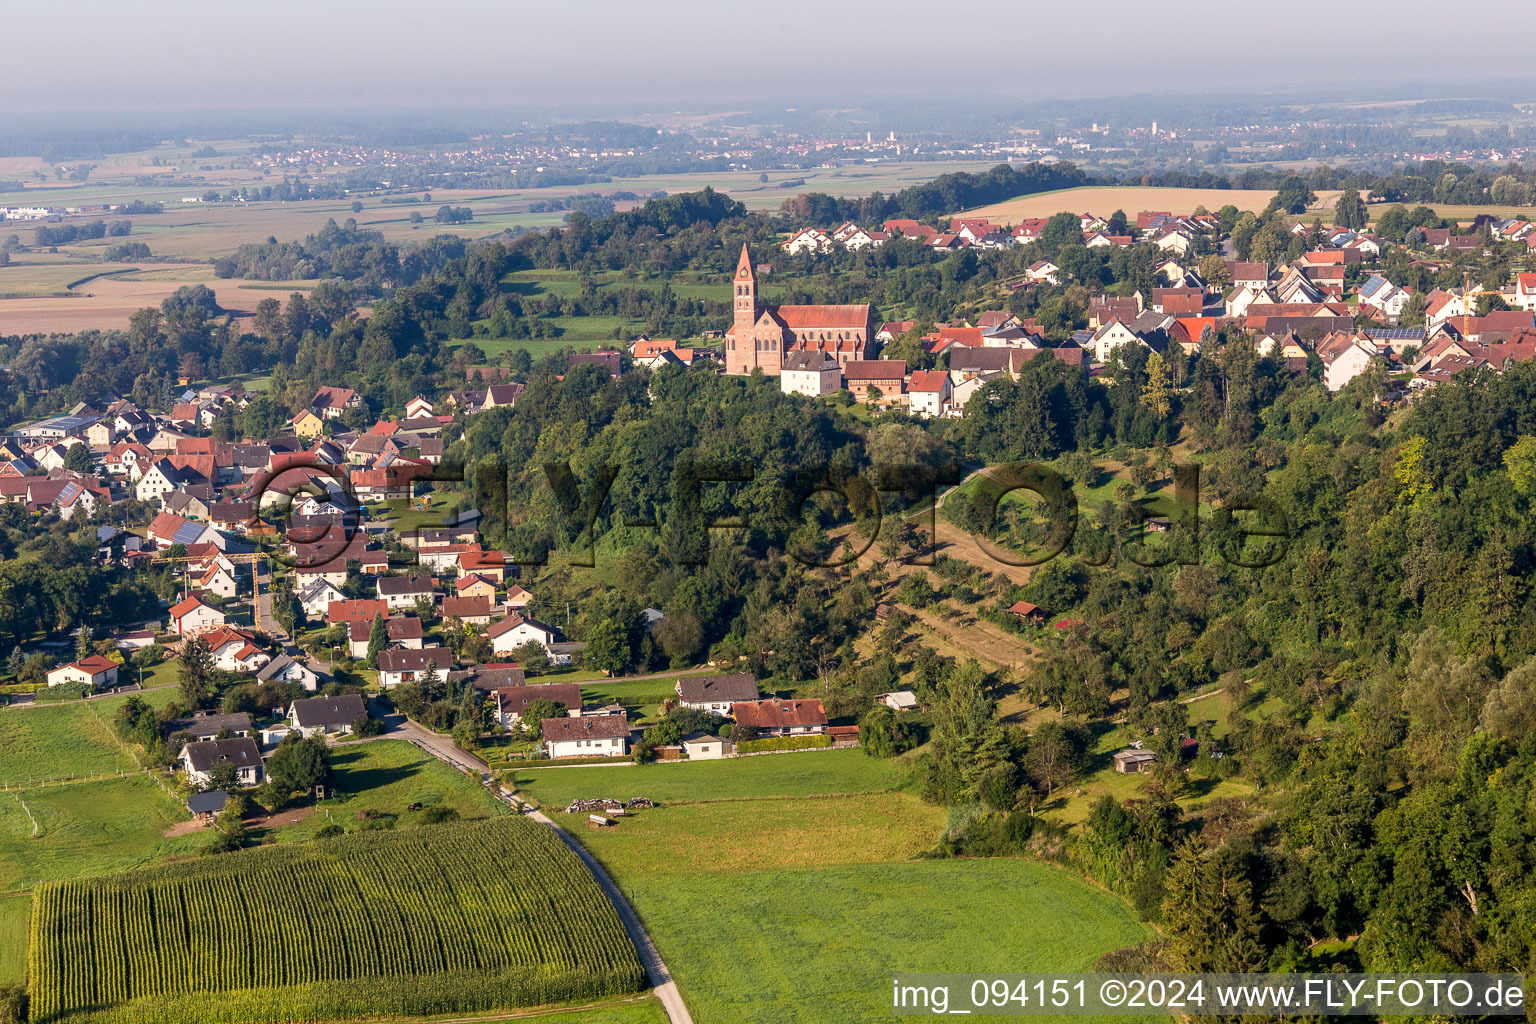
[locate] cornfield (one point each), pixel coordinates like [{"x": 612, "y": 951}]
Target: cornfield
[{"x": 451, "y": 918}]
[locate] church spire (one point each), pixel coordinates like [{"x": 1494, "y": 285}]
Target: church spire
[{"x": 744, "y": 265}]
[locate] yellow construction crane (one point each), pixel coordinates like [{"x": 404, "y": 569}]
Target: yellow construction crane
[{"x": 255, "y": 582}]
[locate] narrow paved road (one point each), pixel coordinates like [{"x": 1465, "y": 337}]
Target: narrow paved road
[{"x": 443, "y": 748}]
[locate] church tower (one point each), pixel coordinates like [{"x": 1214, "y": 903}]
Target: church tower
[{"x": 745, "y": 284}]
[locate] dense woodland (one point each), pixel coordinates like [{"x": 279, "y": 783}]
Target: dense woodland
[{"x": 1377, "y": 674}]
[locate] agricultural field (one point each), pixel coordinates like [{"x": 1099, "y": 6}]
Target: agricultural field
[
  {"x": 453, "y": 918},
  {"x": 39, "y": 299},
  {"x": 822, "y": 944},
  {"x": 15, "y": 913},
  {"x": 767, "y": 834},
  {"x": 800, "y": 774},
  {"x": 1104, "y": 200},
  {"x": 86, "y": 828},
  {"x": 385, "y": 777},
  {"x": 59, "y": 741}
]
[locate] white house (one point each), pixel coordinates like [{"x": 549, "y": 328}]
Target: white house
[
  {"x": 233, "y": 650},
  {"x": 808, "y": 240},
  {"x": 1525, "y": 291},
  {"x": 1382, "y": 294},
  {"x": 326, "y": 716},
  {"x": 284, "y": 669},
  {"x": 1344, "y": 358},
  {"x": 404, "y": 591},
  {"x": 199, "y": 760},
  {"x": 515, "y": 630},
  {"x": 317, "y": 595},
  {"x": 194, "y": 615},
  {"x": 600, "y": 736},
  {"x": 403, "y": 665},
  {"x": 809, "y": 373},
  {"x": 928, "y": 393},
  {"x": 707, "y": 748},
  {"x": 94, "y": 671},
  {"x": 716, "y": 694}
]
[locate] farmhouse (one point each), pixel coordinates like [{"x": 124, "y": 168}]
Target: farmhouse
[
  {"x": 94, "y": 671},
  {"x": 782, "y": 717},
  {"x": 716, "y": 694},
  {"x": 200, "y": 759},
  {"x": 602, "y": 736},
  {"x": 326, "y": 716}
]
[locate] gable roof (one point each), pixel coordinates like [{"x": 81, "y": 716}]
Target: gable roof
[
  {"x": 771, "y": 714},
  {"x": 324, "y": 712},
  {"x": 598, "y": 727},
  {"x": 741, "y": 686},
  {"x": 241, "y": 751}
]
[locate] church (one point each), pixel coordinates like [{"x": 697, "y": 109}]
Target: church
[{"x": 762, "y": 336}]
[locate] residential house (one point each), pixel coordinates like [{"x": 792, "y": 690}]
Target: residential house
[
  {"x": 716, "y": 694},
  {"x": 307, "y": 424},
  {"x": 875, "y": 380},
  {"x": 475, "y": 585},
  {"x": 234, "y": 650},
  {"x": 512, "y": 701},
  {"x": 515, "y": 630},
  {"x": 193, "y": 615},
  {"x": 94, "y": 671},
  {"x": 329, "y": 403},
  {"x": 200, "y": 760},
  {"x": 360, "y": 610},
  {"x": 326, "y": 716},
  {"x": 284, "y": 669},
  {"x": 402, "y": 630},
  {"x": 207, "y": 725},
  {"x": 404, "y": 665},
  {"x": 809, "y": 373},
  {"x": 603, "y": 736},
  {"x": 1344, "y": 358},
  {"x": 316, "y": 597},
  {"x": 928, "y": 393},
  {"x": 476, "y": 611},
  {"x": 405, "y": 591},
  {"x": 782, "y": 717}
]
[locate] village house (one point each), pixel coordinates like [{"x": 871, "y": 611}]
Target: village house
[
  {"x": 928, "y": 393},
  {"x": 193, "y": 615},
  {"x": 94, "y": 671},
  {"x": 512, "y": 701},
  {"x": 782, "y": 717},
  {"x": 475, "y": 585},
  {"x": 809, "y": 373},
  {"x": 207, "y": 725},
  {"x": 404, "y": 665},
  {"x": 326, "y": 716},
  {"x": 598, "y": 736},
  {"x": 329, "y": 403},
  {"x": 405, "y": 591},
  {"x": 515, "y": 630},
  {"x": 474, "y": 611},
  {"x": 234, "y": 650},
  {"x": 199, "y": 760},
  {"x": 402, "y": 630},
  {"x": 284, "y": 669},
  {"x": 876, "y": 380},
  {"x": 716, "y": 694}
]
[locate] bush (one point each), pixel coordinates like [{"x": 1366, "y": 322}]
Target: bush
[
  {"x": 366, "y": 725},
  {"x": 61, "y": 692},
  {"x": 13, "y": 1005},
  {"x": 437, "y": 814},
  {"x": 783, "y": 743}
]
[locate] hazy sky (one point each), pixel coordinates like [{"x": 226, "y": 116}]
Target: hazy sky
[{"x": 157, "y": 54}]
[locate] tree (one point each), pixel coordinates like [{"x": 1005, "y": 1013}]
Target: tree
[
  {"x": 78, "y": 458},
  {"x": 378, "y": 639},
  {"x": 195, "y": 673},
  {"x": 607, "y": 648},
  {"x": 532, "y": 656},
  {"x": 1210, "y": 913},
  {"x": 299, "y": 764},
  {"x": 1215, "y": 271},
  {"x": 1349, "y": 211},
  {"x": 1050, "y": 759},
  {"x": 882, "y": 734},
  {"x": 1295, "y": 195},
  {"x": 224, "y": 775},
  {"x": 534, "y": 714}
]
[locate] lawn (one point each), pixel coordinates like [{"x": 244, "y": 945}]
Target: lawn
[
  {"x": 58, "y": 741},
  {"x": 15, "y": 913},
  {"x": 387, "y": 776},
  {"x": 85, "y": 829},
  {"x": 765, "y": 835},
  {"x": 799, "y": 774},
  {"x": 822, "y": 945}
]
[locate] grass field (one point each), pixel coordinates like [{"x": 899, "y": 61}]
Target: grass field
[
  {"x": 387, "y": 776},
  {"x": 58, "y": 742},
  {"x": 85, "y": 829},
  {"x": 15, "y": 913},
  {"x": 767, "y": 835},
  {"x": 464, "y": 917},
  {"x": 1104, "y": 200},
  {"x": 779, "y": 947},
  {"x": 804, "y": 773}
]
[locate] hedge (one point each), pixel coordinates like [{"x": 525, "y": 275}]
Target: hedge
[{"x": 784, "y": 743}]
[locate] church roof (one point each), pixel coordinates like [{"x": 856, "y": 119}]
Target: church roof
[{"x": 803, "y": 317}]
